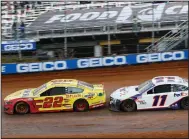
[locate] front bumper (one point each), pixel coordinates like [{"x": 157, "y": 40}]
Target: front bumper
[
  {"x": 114, "y": 105},
  {"x": 8, "y": 109}
]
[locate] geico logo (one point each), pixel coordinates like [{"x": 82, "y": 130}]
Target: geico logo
[
  {"x": 45, "y": 66},
  {"x": 3, "y": 68},
  {"x": 97, "y": 62},
  {"x": 155, "y": 57},
  {"x": 15, "y": 47},
  {"x": 143, "y": 12}
]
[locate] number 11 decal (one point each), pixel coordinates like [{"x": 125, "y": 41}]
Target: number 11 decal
[{"x": 157, "y": 98}]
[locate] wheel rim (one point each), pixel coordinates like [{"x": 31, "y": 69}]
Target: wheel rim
[
  {"x": 21, "y": 108},
  {"x": 128, "y": 105},
  {"x": 81, "y": 106}
]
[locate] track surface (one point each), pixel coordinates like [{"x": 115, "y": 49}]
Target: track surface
[{"x": 99, "y": 122}]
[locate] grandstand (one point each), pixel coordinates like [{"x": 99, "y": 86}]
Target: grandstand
[{"x": 66, "y": 29}]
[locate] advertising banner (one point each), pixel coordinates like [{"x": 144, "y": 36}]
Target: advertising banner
[
  {"x": 23, "y": 45},
  {"x": 163, "y": 12},
  {"x": 62, "y": 65}
]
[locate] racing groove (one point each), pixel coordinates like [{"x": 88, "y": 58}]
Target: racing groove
[{"x": 99, "y": 122}]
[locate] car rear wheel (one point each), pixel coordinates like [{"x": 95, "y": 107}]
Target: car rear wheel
[
  {"x": 21, "y": 108},
  {"x": 184, "y": 103},
  {"x": 128, "y": 106},
  {"x": 81, "y": 105}
]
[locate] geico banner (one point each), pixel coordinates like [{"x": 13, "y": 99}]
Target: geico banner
[
  {"x": 9, "y": 46},
  {"x": 163, "y": 12},
  {"x": 156, "y": 57},
  {"x": 94, "y": 62}
]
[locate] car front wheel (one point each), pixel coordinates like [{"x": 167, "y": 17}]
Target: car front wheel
[
  {"x": 128, "y": 106},
  {"x": 21, "y": 108},
  {"x": 184, "y": 103}
]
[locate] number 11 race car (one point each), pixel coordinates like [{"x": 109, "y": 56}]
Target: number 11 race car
[
  {"x": 158, "y": 93},
  {"x": 56, "y": 95}
]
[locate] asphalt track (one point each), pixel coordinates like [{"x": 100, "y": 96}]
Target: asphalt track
[{"x": 99, "y": 122}]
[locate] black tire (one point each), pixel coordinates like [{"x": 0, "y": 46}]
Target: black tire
[
  {"x": 185, "y": 103},
  {"x": 21, "y": 108},
  {"x": 128, "y": 106},
  {"x": 81, "y": 106}
]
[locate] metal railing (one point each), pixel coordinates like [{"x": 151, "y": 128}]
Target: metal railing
[
  {"x": 171, "y": 39},
  {"x": 99, "y": 30}
]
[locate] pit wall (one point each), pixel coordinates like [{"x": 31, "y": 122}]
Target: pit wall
[{"x": 131, "y": 59}]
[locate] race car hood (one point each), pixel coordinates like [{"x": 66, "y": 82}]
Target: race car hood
[
  {"x": 125, "y": 92},
  {"x": 20, "y": 94}
]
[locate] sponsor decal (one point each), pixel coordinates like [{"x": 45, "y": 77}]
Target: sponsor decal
[
  {"x": 184, "y": 94},
  {"x": 30, "y": 99},
  {"x": 159, "y": 78},
  {"x": 177, "y": 95},
  {"x": 156, "y": 57},
  {"x": 180, "y": 94},
  {"x": 26, "y": 93},
  {"x": 98, "y": 62},
  {"x": 141, "y": 101},
  {"x": 16, "y": 45},
  {"x": 66, "y": 100},
  {"x": 73, "y": 64},
  {"x": 123, "y": 91},
  {"x": 66, "y": 105},
  {"x": 45, "y": 66},
  {"x": 122, "y": 94},
  {"x": 84, "y": 84},
  {"x": 159, "y": 81},
  {"x": 3, "y": 68},
  {"x": 90, "y": 95},
  {"x": 122, "y": 15},
  {"x": 170, "y": 80},
  {"x": 63, "y": 81},
  {"x": 98, "y": 105},
  {"x": 73, "y": 95}
]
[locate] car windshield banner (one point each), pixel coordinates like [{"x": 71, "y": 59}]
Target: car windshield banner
[
  {"x": 11, "y": 46},
  {"x": 163, "y": 12}
]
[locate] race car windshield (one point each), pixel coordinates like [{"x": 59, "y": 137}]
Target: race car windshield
[
  {"x": 85, "y": 84},
  {"x": 145, "y": 85},
  {"x": 37, "y": 90}
]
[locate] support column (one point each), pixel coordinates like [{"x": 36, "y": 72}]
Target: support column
[
  {"x": 186, "y": 43},
  {"x": 98, "y": 51}
]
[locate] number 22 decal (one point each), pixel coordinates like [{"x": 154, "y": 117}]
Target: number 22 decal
[
  {"x": 48, "y": 102},
  {"x": 157, "y": 98}
]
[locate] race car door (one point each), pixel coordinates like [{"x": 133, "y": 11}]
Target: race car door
[
  {"x": 51, "y": 99},
  {"x": 156, "y": 97}
]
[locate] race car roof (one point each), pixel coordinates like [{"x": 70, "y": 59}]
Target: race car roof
[
  {"x": 169, "y": 79},
  {"x": 64, "y": 81},
  {"x": 70, "y": 82}
]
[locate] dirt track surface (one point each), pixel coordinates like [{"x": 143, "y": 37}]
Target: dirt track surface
[{"x": 99, "y": 122}]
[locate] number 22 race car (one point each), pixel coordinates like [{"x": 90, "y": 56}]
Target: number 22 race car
[
  {"x": 158, "y": 93},
  {"x": 56, "y": 95}
]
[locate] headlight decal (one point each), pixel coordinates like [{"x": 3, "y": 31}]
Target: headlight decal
[{"x": 8, "y": 102}]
